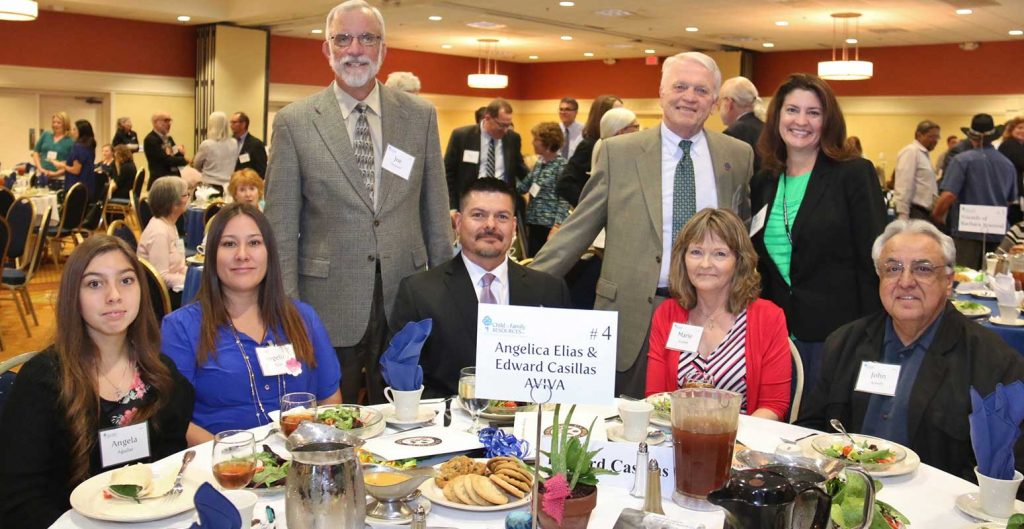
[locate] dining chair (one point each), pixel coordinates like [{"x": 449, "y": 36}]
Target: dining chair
[
  {"x": 120, "y": 206},
  {"x": 17, "y": 279},
  {"x": 20, "y": 217},
  {"x": 123, "y": 231},
  {"x": 5, "y": 243},
  {"x": 212, "y": 210},
  {"x": 158, "y": 293},
  {"x": 7, "y": 376},
  {"x": 6, "y": 200},
  {"x": 145, "y": 213},
  {"x": 71, "y": 216},
  {"x": 94, "y": 210},
  {"x": 139, "y": 186},
  {"x": 798, "y": 381}
]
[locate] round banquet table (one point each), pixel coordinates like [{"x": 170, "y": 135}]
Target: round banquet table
[
  {"x": 925, "y": 496},
  {"x": 1011, "y": 335},
  {"x": 194, "y": 226},
  {"x": 193, "y": 276},
  {"x": 43, "y": 200}
]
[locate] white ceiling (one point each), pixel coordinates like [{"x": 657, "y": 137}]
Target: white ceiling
[{"x": 534, "y": 27}]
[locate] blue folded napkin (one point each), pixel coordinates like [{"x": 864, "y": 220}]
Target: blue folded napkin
[
  {"x": 400, "y": 364},
  {"x": 995, "y": 427},
  {"x": 215, "y": 510}
]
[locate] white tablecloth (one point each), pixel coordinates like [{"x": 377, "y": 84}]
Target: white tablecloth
[
  {"x": 926, "y": 496},
  {"x": 42, "y": 202}
]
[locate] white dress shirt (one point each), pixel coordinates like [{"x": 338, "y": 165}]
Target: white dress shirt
[
  {"x": 915, "y": 181},
  {"x": 499, "y": 287},
  {"x": 704, "y": 183},
  {"x": 499, "y": 157},
  {"x": 574, "y": 135},
  {"x": 351, "y": 117}
]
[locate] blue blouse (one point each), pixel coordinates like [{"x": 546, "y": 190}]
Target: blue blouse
[
  {"x": 87, "y": 158},
  {"x": 223, "y": 392}
]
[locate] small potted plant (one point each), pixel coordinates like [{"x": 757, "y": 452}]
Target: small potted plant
[{"x": 569, "y": 484}]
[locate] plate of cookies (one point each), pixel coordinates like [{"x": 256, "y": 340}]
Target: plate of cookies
[{"x": 482, "y": 485}]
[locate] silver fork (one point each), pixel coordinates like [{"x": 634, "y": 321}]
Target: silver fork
[{"x": 177, "y": 489}]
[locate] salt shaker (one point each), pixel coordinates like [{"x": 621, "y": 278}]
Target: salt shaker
[
  {"x": 652, "y": 499},
  {"x": 419, "y": 518},
  {"x": 640, "y": 474}
]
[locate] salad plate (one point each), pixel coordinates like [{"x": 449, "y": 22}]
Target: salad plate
[
  {"x": 984, "y": 294},
  {"x": 662, "y": 414},
  {"x": 362, "y": 421},
  {"x": 90, "y": 498},
  {"x": 503, "y": 410},
  {"x": 815, "y": 446},
  {"x": 996, "y": 320},
  {"x": 423, "y": 414},
  {"x": 972, "y": 309}
]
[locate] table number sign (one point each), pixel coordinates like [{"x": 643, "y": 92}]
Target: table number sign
[{"x": 982, "y": 219}]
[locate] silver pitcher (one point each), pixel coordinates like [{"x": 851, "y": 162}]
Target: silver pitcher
[{"x": 325, "y": 488}]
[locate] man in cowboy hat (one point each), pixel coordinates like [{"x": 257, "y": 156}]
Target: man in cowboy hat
[{"x": 982, "y": 176}]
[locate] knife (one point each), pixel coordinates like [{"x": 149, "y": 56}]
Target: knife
[{"x": 447, "y": 421}]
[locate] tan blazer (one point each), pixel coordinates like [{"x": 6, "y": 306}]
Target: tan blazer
[{"x": 623, "y": 196}]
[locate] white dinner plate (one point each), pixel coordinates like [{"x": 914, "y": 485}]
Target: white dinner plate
[
  {"x": 424, "y": 414},
  {"x": 660, "y": 419},
  {"x": 977, "y": 311},
  {"x": 501, "y": 417},
  {"x": 614, "y": 433},
  {"x": 996, "y": 320},
  {"x": 985, "y": 294},
  {"x": 434, "y": 493},
  {"x": 970, "y": 504},
  {"x": 88, "y": 500},
  {"x": 908, "y": 465}
]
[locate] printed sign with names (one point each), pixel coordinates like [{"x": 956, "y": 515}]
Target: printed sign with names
[
  {"x": 982, "y": 219},
  {"x": 621, "y": 458},
  {"x": 121, "y": 445},
  {"x": 537, "y": 354}
]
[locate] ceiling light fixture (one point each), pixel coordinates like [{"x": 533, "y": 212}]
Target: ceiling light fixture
[
  {"x": 487, "y": 76},
  {"x": 588, "y": 54},
  {"x": 18, "y": 10},
  {"x": 534, "y": 57},
  {"x": 851, "y": 40},
  {"x": 781, "y": 23},
  {"x": 767, "y": 44},
  {"x": 692, "y": 29},
  {"x": 845, "y": 64},
  {"x": 434, "y": 18},
  {"x": 1016, "y": 32},
  {"x": 317, "y": 31},
  {"x": 184, "y": 18},
  {"x": 566, "y": 37},
  {"x": 567, "y": 4},
  {"x": 964, "y": 11},
  {"x": 446, "y": 46}
]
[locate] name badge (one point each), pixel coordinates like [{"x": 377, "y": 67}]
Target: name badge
[
  {"x": 757, "y": 222},
  {"x": 534, "y": 190},
  {"x": 278, "y": 360},
  {"x": 684, "y": 337},
  {"x": 397, "y": 161},
  {"x": 180, "y": 245},
  {"x": 243, "y": 158},
  {"x": 471, "y": 156},
  {"x": 124, "y": 444},
  {"x": 878, "y": 378},
  {"x": 51, "y": 155}
]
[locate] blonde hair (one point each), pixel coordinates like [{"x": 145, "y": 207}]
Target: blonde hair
[
  {"x": 64, "y": 120},
  {"x": 245, "y": 177}
]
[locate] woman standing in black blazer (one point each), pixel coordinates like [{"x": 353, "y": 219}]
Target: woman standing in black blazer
[{"x": 820, "y": 208}]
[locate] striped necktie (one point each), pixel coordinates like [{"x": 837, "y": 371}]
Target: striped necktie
[
  {"x": 684, "y": 190},
  {"x": 565, "y": 146},
  {"x": 491, "y": 163},
  {"x": 363, "y": 145}
]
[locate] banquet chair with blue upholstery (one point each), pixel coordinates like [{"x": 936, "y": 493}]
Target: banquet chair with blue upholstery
[
  {"x": 7, "y": 375},
  {"x": 6, "y": 200},
  {"x": 123, "y": 231},
  {"x": 145, "y": 214},
  {"x": 158, "y": 293},
  {"x": 76, "y": 202}
]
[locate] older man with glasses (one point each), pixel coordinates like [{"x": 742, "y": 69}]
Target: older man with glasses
[
  {"x": 904, "y": 374},
  {"x": 356, "y": 194}
]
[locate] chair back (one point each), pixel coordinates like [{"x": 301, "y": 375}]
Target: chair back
[
  {"x": 76, "y": 202},
  {"x": 158, "y": 293},
  {"x": 94, "y": 211},
  {"x": 19, "y": 219},
  {"x": 39, "y": 247},
  {"x": 7, "y": 376},
  {"x": 798, "y": 381},
  {"x": 5, "y": 241},
  {"x": 139, "y": 185},
  {"x": 6, "y": 200},
  {"x": 16, "y": 361},
  {"x": 145, "y": 213},
  {"x": 212, "y": 210},
  {"x": 122, "y": 231}
]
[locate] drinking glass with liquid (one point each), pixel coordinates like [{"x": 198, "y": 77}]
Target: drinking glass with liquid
[
  {"x": 467, "y": 396},
  {"x": 234, "y": 458},
  {"x": 296, "y": 408}
]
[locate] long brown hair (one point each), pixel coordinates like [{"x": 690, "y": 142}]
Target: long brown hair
[
  {"x": 724, "y": 224},
  {"x": 276, "y": 310},
  {"x": 601, "y": 104},
  {"x": 78, "y": 355},
  {"x": 833, "y": 126}
]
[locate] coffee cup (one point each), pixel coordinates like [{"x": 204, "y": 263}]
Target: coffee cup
[
  {"x": 635, "y": 415},
  {"x": 1008, "y": 313},
  {"x": 406, "y": 403},
  {"x": 244, "y": 501},
  {"x": 997, "y": 496},
  {"x": 200, "y": 249}
]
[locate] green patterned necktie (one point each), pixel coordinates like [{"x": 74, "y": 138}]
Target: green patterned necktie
[{"x": 684, "y": 190}]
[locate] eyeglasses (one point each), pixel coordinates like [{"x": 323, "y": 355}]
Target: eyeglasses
[
  {"x": 344, "y": 40},
  {"x": 563, "y": 109},
  {"x": 923, "y": 271},
  {"x": 500, "y": 124},
  {"x": 700, "y": 90}
]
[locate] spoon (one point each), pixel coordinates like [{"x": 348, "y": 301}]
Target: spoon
[
  {"x": 269, "y": 433},
  {"x": 839, "y": 428}
]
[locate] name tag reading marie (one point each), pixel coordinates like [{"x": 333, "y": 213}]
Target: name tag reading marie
[
  {"x": 124, "y": 444},
  {"x": 878, "y": 378},
  {"x": 684, "y": 337},
  {"x": 537, "y": 354},
  {"x": 278, "y": 360}
]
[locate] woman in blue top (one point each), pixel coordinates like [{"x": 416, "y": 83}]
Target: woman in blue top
[
  {"x": 53, "y": 146},
  {"x": 82, "y": 160},
  {"x": 546, "y": 208},
  {"x": 223, "y": 343}
]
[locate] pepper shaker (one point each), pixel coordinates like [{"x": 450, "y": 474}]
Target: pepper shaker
[
  {"x": 419, "y": 518},
  {"x": 640, "y": 474},
  {"x": 652, "y": 499}
]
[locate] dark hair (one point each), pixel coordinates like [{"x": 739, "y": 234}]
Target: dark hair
[
  {"x": 486, "y": 185},
  {"x": 479, "y": 114},
  {"x": 497, "y": 105},
  {"x": 833, "y": 126},
  {"x": 549, "y": 134},
  {"x": 853, "y": 145},
  {"x": 78, "y": 354},
  {"x": 276, "y": 310},
  {"x": 601, "y": 104},
  {"x": 85, "y": 134},
  {"x": 242, "y": 117},
  {"x": 575, "y": 104},
  {"x": 926, "y": 126}
]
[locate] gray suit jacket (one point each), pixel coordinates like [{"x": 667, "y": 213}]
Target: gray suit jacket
[
  {"x": 623, "y": 196},
  {"x": 329, "y": 236}
]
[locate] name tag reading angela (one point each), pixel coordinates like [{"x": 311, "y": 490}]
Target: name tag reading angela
[
  {"x": 243, "y": 158},
  {"x": 278, "y": 360},
  {"x": 397, "y": 161},
  {"x": 684, "y": 337},
  {"x": 471, "y": 156},
  {"x": 878, "y": 378},
  {"x": 121, "y": 445}
]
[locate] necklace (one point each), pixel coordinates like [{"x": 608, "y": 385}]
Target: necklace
[
  {"x": 257, "y": 403},
  {"x": 709, "y": 319},
  {"x": 120, "y": 393}
]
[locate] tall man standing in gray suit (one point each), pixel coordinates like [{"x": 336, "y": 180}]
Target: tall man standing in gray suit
[
  {"x": 357, "y": 195},
  {"x": 643, "y": 188}
]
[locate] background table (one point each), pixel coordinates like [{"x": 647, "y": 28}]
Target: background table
[
  {"x": 1012, "y": 335},
  {"x": 194, "y": 226},
  {"x": 42, "y": 201},
  {"x": 193, "y": 276}
]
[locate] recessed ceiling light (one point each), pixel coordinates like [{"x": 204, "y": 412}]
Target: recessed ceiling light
[
  {"x": 184, "y": 18},
  {"x": 483, "y": 24},
  {"x": 434, "y": 18},
  {"x": 692, "y": 29},
  {"x": 782, "y": 23},
  {"x": 317, "y": 31},
  {"x": 567, "y": 4},
  {"x": 566, "y": 37},
  {"x": 588, "y": 54},
  {"x": 446, "y": 46},
  {"x": 964, "y": 11},
  {"x": 1016, "y": 32},
  {"x": 767, "y": 44},
  {"x": 649, "y": 51},
  {"x": 613, "y": 12},
  {"x": 851, "y": 40},
  {"x": 534, "y": 57}
]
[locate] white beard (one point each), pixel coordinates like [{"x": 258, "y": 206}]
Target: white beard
[{"x": 352, "y": 78}]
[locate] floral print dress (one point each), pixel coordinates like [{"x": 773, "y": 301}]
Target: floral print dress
[{"x": 122, "y": 412}]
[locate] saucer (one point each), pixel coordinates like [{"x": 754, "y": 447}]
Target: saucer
[
  {"x": 425, "y": 414},
  {"x": 996, "y": 320},
  {"x": 970, "y": 504},
  {"x": 614, "y": 433}
]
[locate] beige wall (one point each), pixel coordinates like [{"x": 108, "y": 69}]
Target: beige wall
[
  {"x": 140, "y": 107},
  {"x": 240, "y": 73},
  {"x": 20, "y": 111}
]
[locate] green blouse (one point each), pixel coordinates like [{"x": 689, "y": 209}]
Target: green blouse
[{"x": 776, "y": 239}]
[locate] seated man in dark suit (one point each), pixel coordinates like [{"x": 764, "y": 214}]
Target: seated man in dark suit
[
  {"x": 481, "y": 273},
  {"x": 931, "y": 356}
]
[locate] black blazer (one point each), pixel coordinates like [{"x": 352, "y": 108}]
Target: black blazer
[
  {"x": 126, "y": 138},
  {"x": 747, "y": 128},
  {"x": 576, "y": 172},
  {"x": 833, "y": 277},
  {"x": 160, "y": 164},
  {"x": 124, "y": 179},
  {"x": 460, "y": 174},
  {"x": 257, "y": 152},
  {"x": 446, "y": 294}
]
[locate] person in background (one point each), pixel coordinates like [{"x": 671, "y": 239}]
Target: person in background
[
  {"x": 546, "y": 208},
  {"x": 940, "y": 166},
  {"x": 479, "y": 114},
  {"x": 103, "y": 370},
  {"x": 404, "y": 81},
  {"x": 160, "y": 243},
  {"x": 125, "y": 135},
  {"x": 217, "y": 154},
  {"x": 53, "y": 146},
  {"x": 741, "y": 111},
  {"x": 488, "y": 150},
  {"x": 240, "y": 311},
  {"x": 1013, "y": 148},
  {"x": 577, "y": 168},
  {"x": 618, "y": 121},
  {"x": 162, "y": 154},
  {"x": 817, "y": 208},
  {"x": 80, "y": 162},
  {"x": 915, "y": 186},
  {"x": 246, "y": 187},
  {"x": 853, "y": 146},
  {"x": 744, "y": 346},
  {"x": 124, "y": 171},
  {"x": 106, "y": 163},
  {"x": 252, "y": 153},
  {"x": 572, "y": 130}
]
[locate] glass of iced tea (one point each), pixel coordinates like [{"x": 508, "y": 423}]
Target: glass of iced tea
[
  {"x": 704, "y": 422},
  {"x": 296, "y": 408},
  {"x": 234, "y": 458}
]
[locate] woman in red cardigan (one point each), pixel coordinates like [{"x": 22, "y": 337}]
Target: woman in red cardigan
[{"x": 744, "y": 344}]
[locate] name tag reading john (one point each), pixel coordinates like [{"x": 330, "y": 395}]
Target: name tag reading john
[
  {"x": 278, "y": 360},
  {"x": 470, "y": 156},
  {"x": 684, "y": 337},
  {"x": 121, "y": 445},
  {"x": 878, "y": 378},
  {"x": 397, "y": 161}
]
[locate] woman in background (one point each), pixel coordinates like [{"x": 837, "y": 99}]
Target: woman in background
[
  {"x": 53, "y": 146},
  {"x": 160, "y": 243},
  {"x": 546, "y": 208},
  {"x": 80, "y": 163},
  {"x": 577, "y": 169},
  {"x": 246, "y": 187},
  {"x": 618, "y": 121},
  {"x": 217, "y": 154},
  {"x": 124, "y": 171}
]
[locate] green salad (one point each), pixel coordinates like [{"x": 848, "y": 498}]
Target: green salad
[
  {"x": 271, "y": 470},
  {"x": 662, "y": 406},
  {"x": 848, "y": 502},
  {"x": 340, "y": 418},
  {"x": 862, "y": 452}
]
